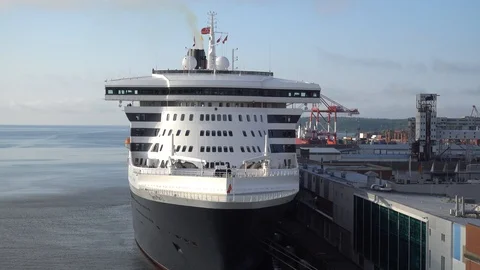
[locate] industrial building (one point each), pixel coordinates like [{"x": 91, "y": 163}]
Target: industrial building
[
  {"x": 434, "y": 134},
  {"x": 381, "y": 224}
]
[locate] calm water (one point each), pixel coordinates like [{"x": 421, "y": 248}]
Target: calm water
[{"x": 64, "y": 199}]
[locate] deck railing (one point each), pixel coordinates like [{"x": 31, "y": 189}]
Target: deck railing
[
  {"x": 157, "y": 193},
  {"x": 235, "y": 173}
]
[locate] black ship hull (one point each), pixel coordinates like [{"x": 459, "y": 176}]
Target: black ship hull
[{"x": 178, "y": 237}]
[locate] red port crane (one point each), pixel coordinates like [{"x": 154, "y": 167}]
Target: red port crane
[{"x": 320, "y": 125}]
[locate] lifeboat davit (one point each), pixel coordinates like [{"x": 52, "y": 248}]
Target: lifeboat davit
[{"x": 127, "y": 142}]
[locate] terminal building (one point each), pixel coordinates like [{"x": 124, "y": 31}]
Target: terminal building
[{"x": 380, "y": 224}]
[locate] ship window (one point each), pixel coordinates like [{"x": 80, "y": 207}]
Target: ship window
[
  {"x": 253, "y": 133},
  {"x": 231, "y": 148},
  {"x": 190, "y": 148},
  {"x": 228, "y": 104},
  {"x": 214, "y": 149},
  {"x": 187, "y": 132},
  {"x": 264, "y": 132},
  {"x": 259, "y": 133},
  {"x": 202, "y": 148},
  {"x": 207, "y": 133},
  {"x": 225, "y": 149},
  {"x": 168, "y": 116},
  {"x": 202, "y": 132},
  {"x": 219, "y": 149},
  {"x": 219, "y": 117},
  {"x": 207, "y": 117},
  {"x": 201, "y": 117},
  {"x": 219, "y": 133},
  {"x": 225, "y": 117},
  {"x": 248, "y": 149},
  {"x": 258, "y": 148},
  {"x": 175, "y": 117},
  {"x": 178, "y": 148},
  {"x": 244, "y": 133},
  {"x": 213, "y": 117},
  {"x": 248, "y": 117},
  {"x": 230, "y": 118},
  {"x": 225, "y": 133},
  {"x": 184, "y": 148},
  {"x": 161, "y": 147},
  {"x": 209, "y": 104},
  {"x": 155, "y": 148},
  {"x": 213, "y": 133},
  {"x": 178, "y": 132},
  {"x": 255, "y": 117},
  {"x": 240, "y": 118},
  {"x": 242, "y": 149},
  {"x": 261, "y": 118},
  {"x": 208, "y": 148},
  {"x": 230, "y": 133},
  {"x": 191, "y": 117},
  {"x": 170, "y": 132},
  {"x": 220, "y": 104},
  {"x": 254, "y": 150},
  {"x": 182, "y": 118}
]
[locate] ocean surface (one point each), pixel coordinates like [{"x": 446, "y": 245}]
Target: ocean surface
[{"x": 64, "y": 199}]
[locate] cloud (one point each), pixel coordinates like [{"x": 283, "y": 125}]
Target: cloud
[
  {"x": 161, "y": 5},
  {"x": 442, "y": 66},
  {"x": 332, "y": 6},
  {"x": 437, "y": 65},
  {"x": 471, "y": 91},
  {"x": 359, "y": 61},
  {"x": 402, "y": 89},
  {"x": 63, "y": 106}
]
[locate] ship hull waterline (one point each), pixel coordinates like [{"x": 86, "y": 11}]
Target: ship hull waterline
[{"x": 179, "y": 237}]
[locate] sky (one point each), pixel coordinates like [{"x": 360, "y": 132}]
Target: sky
[{"x": 374, "y": 55}]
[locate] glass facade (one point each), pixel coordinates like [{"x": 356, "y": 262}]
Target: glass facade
[{"x": 391, "y": 240}]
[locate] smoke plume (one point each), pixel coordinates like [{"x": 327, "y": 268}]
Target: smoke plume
[{"x": 161, "y": 5}]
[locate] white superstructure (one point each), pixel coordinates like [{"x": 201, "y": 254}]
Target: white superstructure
[{"x": 212, "y": 135}]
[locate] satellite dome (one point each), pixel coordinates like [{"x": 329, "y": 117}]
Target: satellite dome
[
  {"x": 189, "y": 62},
  {"x": 222, "y": 63}
]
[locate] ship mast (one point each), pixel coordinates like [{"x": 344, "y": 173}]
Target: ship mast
[{"x": 211, "y": 50}]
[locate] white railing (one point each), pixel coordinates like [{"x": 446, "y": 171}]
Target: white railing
[
  {"x": 235, "y": 173},
  {"x": 158, "y": 193}
]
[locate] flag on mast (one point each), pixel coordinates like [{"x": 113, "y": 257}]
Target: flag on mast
[
  {"x": 205, "y": 31},
  {"x": 193, "y": 41},
  {"x": 219, "y": 39},
  {"x": 225, "y": 40}
]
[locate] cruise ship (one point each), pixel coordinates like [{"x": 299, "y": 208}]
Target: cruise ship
[{"x": 212, "y": 163}]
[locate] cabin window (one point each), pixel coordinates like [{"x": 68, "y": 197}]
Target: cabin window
[
  {"x": 182, "y": 117},
  {"x": 191, "y": 117},
  {"x": 178, "y": 132},
  {"x": 231, "y": 148},
  {"x": 190, "y": 148},
  {"x": 187, "y": 132}
]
